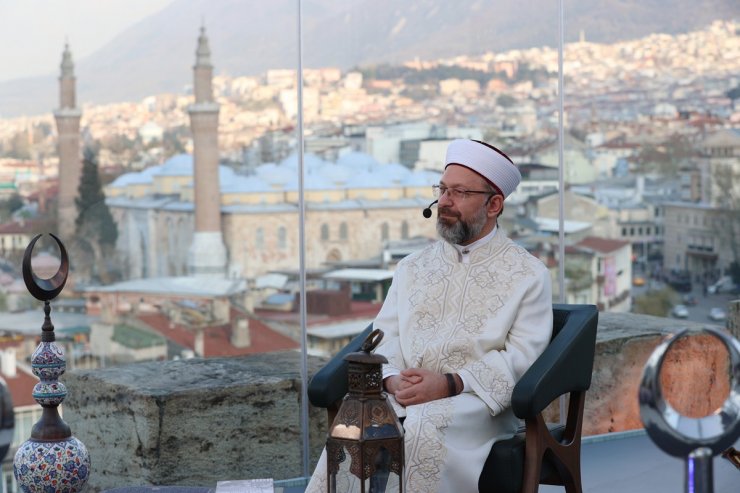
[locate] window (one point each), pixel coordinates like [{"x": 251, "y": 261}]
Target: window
[
  {"x": 259, "y": 239},
  {"x": 343, "y": 235},
  {"x": 282, "y": 238},
  {"x": 324, "y": 232},
  {"x": 404, "y": 230},
  {"x": 384, "y": 232}
]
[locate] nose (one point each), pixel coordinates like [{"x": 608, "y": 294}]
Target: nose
[{"x": 444, "y": 199}]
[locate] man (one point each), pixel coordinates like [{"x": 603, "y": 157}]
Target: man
[{"x": 463, "y": 320}]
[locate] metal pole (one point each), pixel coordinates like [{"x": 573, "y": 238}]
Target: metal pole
[
  {"x": 561, "y": 174},
  {"x": 699, "y": 471},
  {"x": 302, "y": 252}
]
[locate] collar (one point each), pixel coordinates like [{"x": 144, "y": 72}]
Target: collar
[{"x": 464, "y": 251}]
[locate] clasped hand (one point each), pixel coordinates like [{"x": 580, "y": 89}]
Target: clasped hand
[{"x": 417, "y": 386}]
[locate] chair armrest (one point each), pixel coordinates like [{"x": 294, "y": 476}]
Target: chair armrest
[
  {"x": 565, "y": 365},
  {"x": 329, "y": 384}
]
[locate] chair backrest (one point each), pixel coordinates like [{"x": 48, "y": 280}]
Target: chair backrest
[
  {"x": 330, "y": 384},
  {"x": 565, "y": 365}
]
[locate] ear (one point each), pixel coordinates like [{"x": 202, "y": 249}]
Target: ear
[{"x": 495, "y": 206}]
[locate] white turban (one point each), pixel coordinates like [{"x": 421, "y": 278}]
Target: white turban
[{"x": 490, "y": 163}]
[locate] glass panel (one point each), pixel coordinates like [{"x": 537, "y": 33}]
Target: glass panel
[
  {"x": 160, "y": 144},
  {"x": 648, "y": 113},
  {"x": 384, "y": 94}
]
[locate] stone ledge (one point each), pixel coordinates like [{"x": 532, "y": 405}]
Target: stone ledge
[
  {"x": 193, "y": 422},
  {"x": 624, "y": 342}
]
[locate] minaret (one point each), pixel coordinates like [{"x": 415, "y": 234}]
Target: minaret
[
  {"x": 70, "y": 164},
  {"x": 207, "y": 256}
]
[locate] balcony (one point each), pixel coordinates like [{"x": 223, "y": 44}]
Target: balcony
[{"x": 195, "y": 422}]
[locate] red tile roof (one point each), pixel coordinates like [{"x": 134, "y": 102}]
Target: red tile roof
[
  {"x": 21, "y": 387},
  {"x": 217, "y": 339},
  {"x": 602, "y": 245},
  {"x": 15, "y": 227},
  {"x": 359, "y": 309}
]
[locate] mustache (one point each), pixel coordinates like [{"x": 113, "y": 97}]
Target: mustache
[{"x": 447, "y": 212}]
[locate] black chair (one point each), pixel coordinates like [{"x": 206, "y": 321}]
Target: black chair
[{"x": 539, "y": 453}]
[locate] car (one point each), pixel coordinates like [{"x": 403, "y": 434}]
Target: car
[
  {"x": 680, "y": 311},
  {"x": 717, "y": 314},
  {"x": 723, "y": 285},
  {"x": 688, "y": 299},
  {"x": 638, "y": 281},
  {"x": 682, "y": 284}
]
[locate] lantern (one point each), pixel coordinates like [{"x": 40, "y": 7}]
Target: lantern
[{"x": 365, "y": 445}]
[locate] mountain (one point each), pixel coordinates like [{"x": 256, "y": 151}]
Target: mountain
[{"x": 250, "y": 36}]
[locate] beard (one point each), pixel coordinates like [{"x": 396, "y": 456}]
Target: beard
[{"x": 460, "y": 231}]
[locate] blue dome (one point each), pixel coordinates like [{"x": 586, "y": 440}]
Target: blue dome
[
  {"x": 336, "y": 173},
  {"x": 367, "y": 179},
  {"x": 179, "y": 165},
  {"x": 311, "y": 162},
  {"x": 422, "y": 178},
  {"x": 358, "y": 161},
  {"x": 395, "y": 172},
  {"x": 244, "y": 184}
]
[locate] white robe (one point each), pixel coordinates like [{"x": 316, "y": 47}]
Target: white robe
[{"x": 487, "y": 317}]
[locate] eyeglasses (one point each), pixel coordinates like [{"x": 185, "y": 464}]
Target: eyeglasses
[{"x": 456, "y": 193}]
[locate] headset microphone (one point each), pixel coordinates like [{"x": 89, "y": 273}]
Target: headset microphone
[{"x": 428, "y": 211}]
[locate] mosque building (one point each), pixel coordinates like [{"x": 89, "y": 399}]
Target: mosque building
[{"x": 192, "y": 217}]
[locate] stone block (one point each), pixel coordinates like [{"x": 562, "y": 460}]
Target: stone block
[
  {"x": 695, "y": 376},
  {"x": 193, "y": 422}
]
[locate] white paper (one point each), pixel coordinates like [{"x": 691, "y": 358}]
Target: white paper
[{"x": 246, "y": 486}]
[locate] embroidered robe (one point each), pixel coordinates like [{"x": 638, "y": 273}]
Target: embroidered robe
[{"x": 486, "y": 318}]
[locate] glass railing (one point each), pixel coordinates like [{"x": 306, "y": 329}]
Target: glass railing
[{"x": 253, "y": 173}]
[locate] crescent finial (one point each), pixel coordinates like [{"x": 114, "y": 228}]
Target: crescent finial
[{"x": 45, "y": 289}]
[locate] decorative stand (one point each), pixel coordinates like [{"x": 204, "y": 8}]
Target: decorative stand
[
  {"x": 697, "y": 440},
  {"x": 52, "y": 459}
]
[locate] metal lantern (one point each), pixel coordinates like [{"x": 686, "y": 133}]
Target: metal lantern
[
  {"x": 365, "y": 444},
  {"x": 52, "y": 459}
]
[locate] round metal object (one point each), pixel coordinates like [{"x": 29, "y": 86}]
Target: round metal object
[
  {"x": 45, "y": 289},
  {"x": 680, "y": 435}
]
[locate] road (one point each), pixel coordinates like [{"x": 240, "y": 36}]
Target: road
[{"x": 698, "y": 312}]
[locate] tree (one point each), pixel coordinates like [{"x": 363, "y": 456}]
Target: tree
[
  {"x": 657, "y": 303},
  {"x": 96, "y": 230}
]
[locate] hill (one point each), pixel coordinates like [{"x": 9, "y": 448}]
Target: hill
[{"x": 250, "y": 36}]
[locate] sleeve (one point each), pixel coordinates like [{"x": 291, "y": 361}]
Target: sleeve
[
  {"x": 387, "y": 321},
  {"x": 493, "y": 376}
]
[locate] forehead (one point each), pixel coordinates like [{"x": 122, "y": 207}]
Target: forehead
[{"x": 458, "y": 175}]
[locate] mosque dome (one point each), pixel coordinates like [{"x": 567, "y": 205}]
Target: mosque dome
[
  {"x": 124, "y": 180},
  {"x": 367, "y": 179},
  {"x": 358, "y": 161},
  {"x": 395, "y": 172},
  {"x": 179, "y": 165},
  {"x": 275, "y": 175},
  {"x": 422, "y": 178},
  {"x": 244, "y": 184},
  {"x": 336, "y": 173},
  {"x": 143, "y": 177},
  {"x": 311, "y": 162}
]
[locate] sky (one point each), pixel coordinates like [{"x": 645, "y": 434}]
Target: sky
[{"x": 33, "y": 32}]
